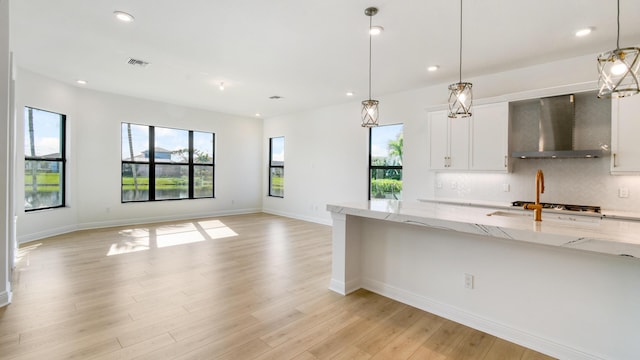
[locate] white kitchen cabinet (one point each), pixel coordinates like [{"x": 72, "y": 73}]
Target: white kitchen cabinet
[
  {"x": 490, "y": 138},
  {"x": 478, "y": 143},
  {"x": 448, "y": 142},
  {"x": 625, "y": 128}
]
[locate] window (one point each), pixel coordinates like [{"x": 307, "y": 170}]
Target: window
[
  {"x": 166, "y": 164},
  {"x": 385, "y": 162},
  {"x": 44, "y": 159},
  {"x": 276, "y": 166}
]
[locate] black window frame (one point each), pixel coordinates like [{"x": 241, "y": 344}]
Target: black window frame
[
  {"x": 273, "y": 165},
  {"x": 378, "y": 167},
  {"x": 62, "y": 160},
  {"x": 152, "y": 163}
]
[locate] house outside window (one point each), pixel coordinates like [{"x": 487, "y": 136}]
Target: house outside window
[
  {"x": 385, "y": 162},
  {"x": 44, "y": 159},
  {"x": 166, "y": 164},
  {"x": 276, "y": 166}
]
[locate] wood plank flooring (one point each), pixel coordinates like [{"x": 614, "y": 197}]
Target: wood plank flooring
[{"x": 235, "y": 287}]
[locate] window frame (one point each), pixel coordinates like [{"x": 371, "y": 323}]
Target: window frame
[
  {"x": 62, "y": 160},
  {"x": 272, "y": 166},
  {"x": 372, "y": 168},
  {"x": 152, "y": 163}
]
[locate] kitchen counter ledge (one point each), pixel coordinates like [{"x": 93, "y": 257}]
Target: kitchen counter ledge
[{"x": 601, "y": 234}]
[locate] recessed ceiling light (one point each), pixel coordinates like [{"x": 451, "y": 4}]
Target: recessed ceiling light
[
  {"x": 584, "y": 32},
  {"x": 376, "y": 30},
  {"x": 123, "y": 16},
  {"x": 350, "y": 93},
  {"x": 81, "y": 82},
  {"x": 433, "y": 68},
  {"x": 221, "y": 86},
  {"x": 258, "y": 115}
]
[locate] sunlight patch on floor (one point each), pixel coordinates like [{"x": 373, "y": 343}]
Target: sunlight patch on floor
[
  {"x": 141, "y": 239},
  {"x": 24, "y": 251}
]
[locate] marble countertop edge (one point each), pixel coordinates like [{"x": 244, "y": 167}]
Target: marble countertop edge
[{"x": 595, "y": 234}]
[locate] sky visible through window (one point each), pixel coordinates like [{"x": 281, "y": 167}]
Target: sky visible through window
[
  {"x": 380, "y": 142},
  {"x": 277, "y": 149},
  {"x": 167, "y": 138},
  {"x": 46, "y": 132}
]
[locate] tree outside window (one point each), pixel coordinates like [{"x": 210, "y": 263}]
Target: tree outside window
[
  {"x": 165, "y": 164},
  {"x": 44, "y": 159},
  {"x": 385, "y": 162}
]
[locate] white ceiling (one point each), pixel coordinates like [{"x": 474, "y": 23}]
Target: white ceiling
[{"x": 309, "y": 52}]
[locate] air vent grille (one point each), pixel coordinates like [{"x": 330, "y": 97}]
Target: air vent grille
[{"x": 136, "y": 62}]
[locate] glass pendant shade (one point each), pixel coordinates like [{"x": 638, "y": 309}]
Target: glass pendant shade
[
  {"x": 618, "y": 73},
  {"x": 460, "y": 100},
  {"x": 460, "y": 95},
  {"x": 369, "y": 113}
]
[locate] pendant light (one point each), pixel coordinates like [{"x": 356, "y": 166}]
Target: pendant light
[
  {"x": 460, "y": 96},
  {"x": 370, "y": 107},
  {"x": 618, "y": 70}
]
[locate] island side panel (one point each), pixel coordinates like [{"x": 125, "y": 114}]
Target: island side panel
[
  {"x": 346, "y": 243},
  {"x": 567, "y": 303}
]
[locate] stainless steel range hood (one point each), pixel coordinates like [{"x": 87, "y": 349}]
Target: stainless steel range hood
[{"x": 556, "y": 126}]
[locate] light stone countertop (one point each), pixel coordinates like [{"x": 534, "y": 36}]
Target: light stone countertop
[{"x": 595, "y": 233}]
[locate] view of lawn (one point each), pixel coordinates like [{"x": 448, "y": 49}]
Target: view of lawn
[{"x": 45, "y": 182}]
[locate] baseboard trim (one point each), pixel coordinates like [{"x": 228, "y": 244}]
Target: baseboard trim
[
  {"x": 5, "y": 298},
  {"x": 337, "y": 286},
  {"x": 23, "y": 239},
  {"x": 316, "y": 220},
  {"x": 344, "y": 288},
  {"x": 502, "y": 331}
]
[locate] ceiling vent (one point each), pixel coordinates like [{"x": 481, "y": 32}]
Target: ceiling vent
[{"x": 136, "y": 62}]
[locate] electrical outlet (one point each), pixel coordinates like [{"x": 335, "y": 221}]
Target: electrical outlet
[
  {"x": 506, "y": 187},
  {"x": 454, "y": 185},
  {"x": 439, "y": 184},
  {"x": 623, "y": 192},
  {"x": 468, "y": 281}
]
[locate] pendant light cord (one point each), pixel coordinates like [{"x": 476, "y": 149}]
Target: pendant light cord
[
  {"x": 370, "y": 24},
  {"x": 460, "y": 72},
  {"x": 618, "y": 36}
]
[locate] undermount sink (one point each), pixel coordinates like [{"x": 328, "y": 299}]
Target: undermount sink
[{"x": 555, "y": 217}]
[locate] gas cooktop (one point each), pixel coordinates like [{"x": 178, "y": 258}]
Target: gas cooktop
[{"x": 568, "y": 207}]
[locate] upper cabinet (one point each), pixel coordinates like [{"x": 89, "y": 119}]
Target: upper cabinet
[
  {"x": 448, "y": 142},
  {"x": 625, "y": 127},
  {"x": 490, "y": 138},
  {"x": 478, "y": 143}
]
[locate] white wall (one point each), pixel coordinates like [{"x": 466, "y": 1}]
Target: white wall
[
  {"x": 5, "y": 214},
  {"x": 326, "y": 150},
  {"x": 93, "y": 157},
  {"x": 318, "y": 149}
]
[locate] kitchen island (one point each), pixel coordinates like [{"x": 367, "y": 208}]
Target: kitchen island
[{"x": 568, "y": 286}]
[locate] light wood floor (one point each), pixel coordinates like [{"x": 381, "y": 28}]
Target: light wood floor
[{"x": 236, "y": 287}]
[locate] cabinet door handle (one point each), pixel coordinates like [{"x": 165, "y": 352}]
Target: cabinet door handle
[
  {"x": 615, "y": 164},
  {"x": 506, "y": 159}
]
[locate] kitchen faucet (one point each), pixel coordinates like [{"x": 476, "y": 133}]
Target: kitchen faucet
[{"x": 537, "y": 207}]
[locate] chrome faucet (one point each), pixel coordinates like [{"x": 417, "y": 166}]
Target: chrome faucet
[{"x": 537, "y": 207}]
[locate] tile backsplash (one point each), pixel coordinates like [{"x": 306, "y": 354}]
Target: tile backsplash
[{"x": 570, "y": 181}]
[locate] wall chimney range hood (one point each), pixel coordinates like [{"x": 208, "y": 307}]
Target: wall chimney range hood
[{"x": 556, "y": 131}]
